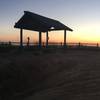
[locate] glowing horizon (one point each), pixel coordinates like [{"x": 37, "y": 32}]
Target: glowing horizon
[
  {"x": 54, "y": 36},
  {"x": 80, "y": 15}
]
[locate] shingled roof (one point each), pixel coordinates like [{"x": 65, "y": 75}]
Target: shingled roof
[{"x": 35, "y": 22}]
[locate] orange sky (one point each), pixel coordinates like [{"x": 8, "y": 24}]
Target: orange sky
[
  {"x": 54, "y": 36},
  {"x": 81, "y": 15},
  {"x": 86, "y": 33}
]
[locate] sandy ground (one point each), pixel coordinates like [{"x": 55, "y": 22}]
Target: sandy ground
[{"x": 50, "y": 75}]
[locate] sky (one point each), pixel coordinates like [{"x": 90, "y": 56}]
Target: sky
[{"x": 83, "y": 16}]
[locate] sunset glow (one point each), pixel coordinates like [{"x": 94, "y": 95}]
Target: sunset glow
[{"x": 81, "y": 15}]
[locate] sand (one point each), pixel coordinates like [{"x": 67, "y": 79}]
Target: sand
[{"x": 68, "y": 74}]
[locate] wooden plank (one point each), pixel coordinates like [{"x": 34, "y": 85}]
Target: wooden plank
[
  {"x": 64, "y": 37},
  {"x": 21, "y": 38},
  {"x": 47, "y": 39},
  {"x": 40, "y": 39}
]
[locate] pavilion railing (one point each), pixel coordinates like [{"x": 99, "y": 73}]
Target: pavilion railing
[{"x": 58, "y": 44}]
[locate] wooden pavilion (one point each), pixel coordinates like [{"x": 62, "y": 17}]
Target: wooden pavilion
[{"x": 35, "y": 22}]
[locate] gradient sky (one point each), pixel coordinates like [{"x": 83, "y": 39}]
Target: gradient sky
[{"x": 83, "y": 16}]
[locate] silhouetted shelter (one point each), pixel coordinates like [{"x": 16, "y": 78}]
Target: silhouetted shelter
[{"x": 35, "y": 22}]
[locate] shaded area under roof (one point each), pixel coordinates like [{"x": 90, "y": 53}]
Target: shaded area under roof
[{"x": 35, "y": 22}]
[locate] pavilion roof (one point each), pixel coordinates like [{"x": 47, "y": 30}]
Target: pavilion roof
[{"x": 35, "y": 22}]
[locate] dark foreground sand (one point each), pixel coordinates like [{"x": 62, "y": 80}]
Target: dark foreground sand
[{"x": 50, "y": 75}]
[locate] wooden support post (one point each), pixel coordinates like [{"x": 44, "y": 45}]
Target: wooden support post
[
  {"x": 47, "y": 39},
  {"x": 40, "y": 39},
  {"x": 21, "y": 38},
  {"x": 64, "y": 37}
]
